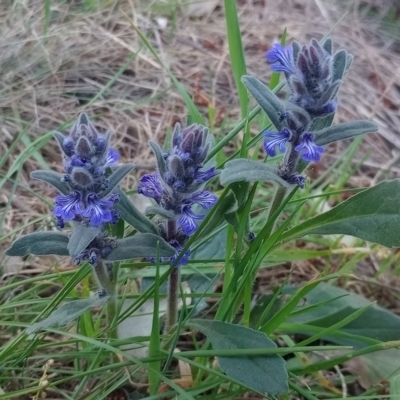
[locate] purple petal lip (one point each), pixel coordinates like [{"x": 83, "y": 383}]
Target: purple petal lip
[
  {"x": 276, "y": 139},
  {"x": 112, "y": 157},
  {"x": 186, "y": 221},
  {"x": 281, "y": 58},
  {"x": 98, "y": 210},
  {"x": 308, "y": 150},
  {"x": 205, "y": 199},
  {"x": 150, "y": 186},
  {"x": 68, "y": 207}
]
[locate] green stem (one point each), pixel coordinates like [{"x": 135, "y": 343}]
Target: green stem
[
  {"x": 109, "y": 283},
  {"x": 276, "y": 202},
  {"x": 172, "y": 300}
]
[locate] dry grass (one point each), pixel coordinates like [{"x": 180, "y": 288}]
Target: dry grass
[{"x": 47, "y": 78}]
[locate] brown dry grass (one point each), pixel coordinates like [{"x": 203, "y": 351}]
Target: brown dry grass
[{"x": 47, "y": 79}]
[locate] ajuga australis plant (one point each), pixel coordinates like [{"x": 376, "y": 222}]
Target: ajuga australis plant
[
  {"x": 176, "y": 187},
  {"x": 88, "y": 193}
]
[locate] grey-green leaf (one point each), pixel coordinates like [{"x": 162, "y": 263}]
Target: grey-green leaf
[
  {"x": 53, "y": 178},
  {"x": 68, "y": 312},
  {"x": 268, "y": 101},
  {"x": 140, "y": 245},
  {"x": 266, "y": 374},
  {"x": 327, "y": 45},
  {"x": 40, "y": 244},
  {"x": 132, "y": 215},
  {"x": 116, "y": 177},
  {"x": 342, "y": 131},
  {"x": 339, "y": 64},
  {"x": 372, "y": 215},
  {"x": 81, "y": 237},
  {"x": 242, "y": 170},
  {"x": 375, "y": 323},
  {"x": 160, "y": 211},
  {"x": 349, "y": 61},
  {"x": 158, "y": 151}
]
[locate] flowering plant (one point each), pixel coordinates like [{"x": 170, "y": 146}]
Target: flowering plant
[{"x": 189, "y": 217}]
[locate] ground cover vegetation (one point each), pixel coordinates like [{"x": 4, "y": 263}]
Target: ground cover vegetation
[{"x": 169, "y": 300}]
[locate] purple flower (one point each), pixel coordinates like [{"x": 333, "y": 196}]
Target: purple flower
[
  {"x": 150, "y": 186},
  {"x": 277, "y": 139},
  {"x": 112, "y": 157},
  {"x": 186, "y": 220},
  {"x": 309, "y": 151},
  {"x": 98, "y": 210},
  {"x": 204, "y": 176},
  {"x": 281, "y": 58},
  {"x": 205, "y": 199},
  {"x": 185, "y": 258},
  {"x": 67, "y": 207}
]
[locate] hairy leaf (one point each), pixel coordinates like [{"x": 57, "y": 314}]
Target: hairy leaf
[
  {"x": 68, "y": 312},
  {"x": 160, "y": 211},
  {"x": 158, "y": 151},
  {"x": 372, "y": 215},
  {"x": 339, "y": 64},
  {"x": 262, "y": 373},
  {"x": 268, "y": 101},
  {"x": 240, "y": 170},
  {"x": 342, "y": 131},
  {"x": 140, "y": 245},
  {"x": 53, "y": 178},
  {"x": 328, "y": 305},
  {"x": 132, "y": 215},
  {"x": 116, "y": 177},
  {"x": 40, "y": 244},
  {"x": 81, "y": 237}
]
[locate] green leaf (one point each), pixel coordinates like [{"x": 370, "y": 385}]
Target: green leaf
[
  {"x": 240, "y": 170},
  {"x": 40, "y": 244},
  {"x": 236, "y": 51},
  {"x": 372, "y": 215},
  {"x": 140, "y": 245},
  {"x": 81, "y": 237},
  {"x": 265, "y": 374},
  {"x": 68, "y": 312},
  {"x": 349, "y": 61},
  {"x": 339, "y": 65},
  {"x": 116, "y": 177},
  {"x": 241, "y": 192},
  {"x": 160, "y": 211},
  {"x": 159, "y": 152},
  {"x": 132, "y": 215},
  {"x": 268, "y": 101},
  {"x": 395, "y": 380},
  {"x": 327, "y": 45},
  {"x": 213, "y": 248},
  {"x": 374, "y": 323},
  {"x": 342, "y": 131},
  {"x": 53, "y": 178}
]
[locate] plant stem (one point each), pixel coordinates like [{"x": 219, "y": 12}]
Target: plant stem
[
  {"x": 276, "y": 202},
  {"x": 172, "y": 300},
  {"x": 109, "y": 283}
]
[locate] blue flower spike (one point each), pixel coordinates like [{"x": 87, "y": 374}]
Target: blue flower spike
[
  {"x": 180, "y": 187},
  {"x": 87, "y": 156},
  {"x": 309, "y": 73}
]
